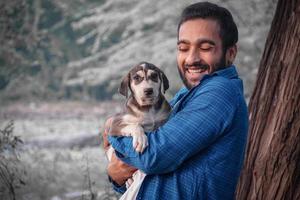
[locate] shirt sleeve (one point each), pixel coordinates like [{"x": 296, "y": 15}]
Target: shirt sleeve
[
  {"x": 120, "y": 189},
  {"x": 202, "y": 120}
]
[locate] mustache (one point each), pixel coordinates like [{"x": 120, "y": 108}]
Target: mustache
[{"x": 200, "y": 65}]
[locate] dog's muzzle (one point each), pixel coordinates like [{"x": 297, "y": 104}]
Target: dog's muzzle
[
  {"x": 148, "y": 92},
  {"x": 149, "y": 98}
]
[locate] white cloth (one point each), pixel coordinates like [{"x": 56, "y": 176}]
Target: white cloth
[{"x": 138, "y": 177}]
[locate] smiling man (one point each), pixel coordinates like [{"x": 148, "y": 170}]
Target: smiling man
[
  {"x": 198, "y": 153},
  {"x": 202, "y": 47}
]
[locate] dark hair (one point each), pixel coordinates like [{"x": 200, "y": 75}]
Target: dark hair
[{"x": 206, "y": 10}]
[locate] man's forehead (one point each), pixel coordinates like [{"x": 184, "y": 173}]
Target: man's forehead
[
  {"x": 200, "y": 32},
  {"x": 207, "y": 27}
]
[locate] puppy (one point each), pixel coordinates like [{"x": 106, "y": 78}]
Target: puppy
[{"x": 146, "y": 109}]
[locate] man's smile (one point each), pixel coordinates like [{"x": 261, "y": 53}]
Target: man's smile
[
  {"x": 196, "y": 68},
  {"x": 195, "y": 72}
]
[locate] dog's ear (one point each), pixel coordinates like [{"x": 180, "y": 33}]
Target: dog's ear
[
  {"x": 123, "y": 89},
  {"x": 164, "y": 80}
]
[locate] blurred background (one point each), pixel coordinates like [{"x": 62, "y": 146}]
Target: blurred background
[{"x": 61, "y": 63}]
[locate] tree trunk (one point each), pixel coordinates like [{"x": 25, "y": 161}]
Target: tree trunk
[{"x": 272, "y": 164}]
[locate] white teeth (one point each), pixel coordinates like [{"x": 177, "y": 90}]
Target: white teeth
[{"x": 195, "y": 70}]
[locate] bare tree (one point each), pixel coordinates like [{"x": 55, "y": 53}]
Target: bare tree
[
  {"x": 11, "y": 170},
  {"x": 272, "y": 164}
]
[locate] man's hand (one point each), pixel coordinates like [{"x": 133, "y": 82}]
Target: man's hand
[{"x": 119, "y": 171}]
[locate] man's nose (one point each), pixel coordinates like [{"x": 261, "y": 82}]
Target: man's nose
[
  {"x": 192, "y": 57},
  {"x": 148, "y": 91}
]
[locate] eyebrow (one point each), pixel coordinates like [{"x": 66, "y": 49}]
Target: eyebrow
[{"x": 199, "y": 41}]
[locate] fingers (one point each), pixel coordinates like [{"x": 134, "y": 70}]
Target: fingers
[{"x": 129, "y": 182}]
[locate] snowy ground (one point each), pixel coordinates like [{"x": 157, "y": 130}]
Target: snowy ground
[{"x": 62, "y": 154}]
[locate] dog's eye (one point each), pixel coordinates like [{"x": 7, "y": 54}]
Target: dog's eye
[
  {"x": 137, "y": 78},
  {"x": 154, "y": 76}
]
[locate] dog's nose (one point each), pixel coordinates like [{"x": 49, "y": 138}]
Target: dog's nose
[{"x": 148, "y": 91}]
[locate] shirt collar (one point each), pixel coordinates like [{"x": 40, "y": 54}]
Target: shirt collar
[{"x": 228, "y": 72}]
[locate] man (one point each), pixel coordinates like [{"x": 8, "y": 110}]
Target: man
[{"x": 198, "y": 153}]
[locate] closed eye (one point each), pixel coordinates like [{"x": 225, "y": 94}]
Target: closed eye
[
  {"x": 206, "y": 47},
  {"x": 182, "y": 48}
]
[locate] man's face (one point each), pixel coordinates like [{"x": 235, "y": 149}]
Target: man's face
[{"x": 199, "y": 50}]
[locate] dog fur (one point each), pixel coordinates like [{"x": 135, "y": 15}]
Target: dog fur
[{"x": 146, "y": 108}]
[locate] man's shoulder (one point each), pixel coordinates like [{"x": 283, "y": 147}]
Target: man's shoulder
[
  {"x": 219, "y": 83},
  {"x": 178, "y": 96},
  {"x": 223, "y": 89},
  {"x": 219, "y": 89}
]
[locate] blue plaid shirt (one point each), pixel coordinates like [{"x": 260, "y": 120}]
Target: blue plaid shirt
[{"x": 198, "y": 153}]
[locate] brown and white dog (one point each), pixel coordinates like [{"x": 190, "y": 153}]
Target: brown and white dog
[{"x": 146, "y": 109}]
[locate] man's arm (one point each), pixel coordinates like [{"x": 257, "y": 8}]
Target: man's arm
[{"x": 203, "y": 119}]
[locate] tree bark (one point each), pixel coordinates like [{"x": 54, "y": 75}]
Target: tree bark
[{"x": 272, "y": 163}]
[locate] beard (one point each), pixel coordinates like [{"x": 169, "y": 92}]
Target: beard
[{"x": 221, "y": 64}]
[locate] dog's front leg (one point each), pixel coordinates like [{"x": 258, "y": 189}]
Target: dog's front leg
[{"x": 140, "y": 140}]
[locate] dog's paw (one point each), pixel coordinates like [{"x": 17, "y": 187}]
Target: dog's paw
[{"x": 139, "y": 142}]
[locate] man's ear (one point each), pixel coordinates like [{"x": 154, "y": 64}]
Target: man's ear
[
  {"x": 230, "y": 54},
  {"x": 123, "y": 89},
  {"x": 164, "y": 80}
]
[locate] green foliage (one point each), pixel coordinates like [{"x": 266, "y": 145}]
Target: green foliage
[
  {"x": 3, "y": 81},
  {"x": 67, "y": 42},
  {"x": 51, "y": 15}
]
